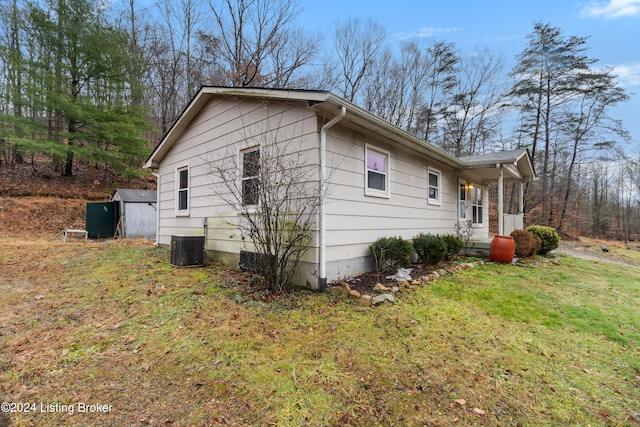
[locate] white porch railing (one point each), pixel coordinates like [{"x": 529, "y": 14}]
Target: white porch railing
[{"x": 512, "y": 222}]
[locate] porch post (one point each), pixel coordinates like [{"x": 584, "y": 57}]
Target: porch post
[
  {"x": 500, "y": 199},
  {"x": 521, "y": 199}
]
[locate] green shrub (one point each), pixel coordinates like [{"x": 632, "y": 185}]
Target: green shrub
[
  {"x": 390, "y": 253},
  {"x": 430, "y": 249},
  {"x": 454, "y": 245},
  {"x": 548, "y": 235}
]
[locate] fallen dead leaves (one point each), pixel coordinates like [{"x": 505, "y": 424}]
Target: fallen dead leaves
[{"x": 463, "y": 403}]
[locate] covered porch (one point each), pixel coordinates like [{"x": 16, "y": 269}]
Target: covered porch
[{"x": 513, "y": 166}]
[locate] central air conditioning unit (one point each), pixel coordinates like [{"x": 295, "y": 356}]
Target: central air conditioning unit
[{"x": 187, "y": 251}]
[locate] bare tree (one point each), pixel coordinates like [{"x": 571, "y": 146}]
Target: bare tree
[
  {"x": 357, "y": 46},
  {"x": 274, "y": 189},
  {"x": 393, "y": 89},
  {"x": 259, "y": 44},
  {"x": 472, "y": 118},
  {"x": 588, "y": 126}
]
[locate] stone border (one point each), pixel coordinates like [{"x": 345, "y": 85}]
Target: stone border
[{"x": 385, "y": 293}]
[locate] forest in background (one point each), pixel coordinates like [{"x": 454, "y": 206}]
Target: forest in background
[{"x": 87, "y": 82}]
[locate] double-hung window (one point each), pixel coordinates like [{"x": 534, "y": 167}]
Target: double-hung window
[
  {"x": 476, "y": 205},
  {"x": 250, "y": 161},
  {"x": 434, "y": 179},
  {"x": 377, "y": 172},
  {"x": 182, "y": 190}
]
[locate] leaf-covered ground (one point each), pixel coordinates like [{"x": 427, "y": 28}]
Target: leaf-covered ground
[{"x": 112, "y": 324}]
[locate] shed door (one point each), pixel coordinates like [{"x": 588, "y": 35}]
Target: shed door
[{"x": 102, "y": 219}]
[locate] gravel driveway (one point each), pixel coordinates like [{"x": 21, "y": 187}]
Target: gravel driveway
[{"x": 591, "y": 252}]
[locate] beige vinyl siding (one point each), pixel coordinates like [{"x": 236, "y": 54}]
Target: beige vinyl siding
[
  {"x": 354, "y": 220},
  {"x": 218, "y": 133}
]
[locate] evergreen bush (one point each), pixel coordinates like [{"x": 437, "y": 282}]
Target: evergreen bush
[
  {"x": 454, "y": 245},
  {"x": 548, "y": 235},
  {"x": 430, "y": 249},
  {"x": 390, "y": 253}
]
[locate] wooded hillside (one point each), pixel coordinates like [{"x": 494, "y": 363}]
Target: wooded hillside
[{"x": 91, "y": 86}]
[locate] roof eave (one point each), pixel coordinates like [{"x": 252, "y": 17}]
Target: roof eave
[
  {"x": 204, "y": 95},
  {"x": 380, "y": 126}
]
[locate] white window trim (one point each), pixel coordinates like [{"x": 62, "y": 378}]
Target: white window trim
[
  {"x": 387, "y": 173},
  {"x": 463, "y": 183},
  {"x": 241, "y": 152},
  {"x": 438, "y": 200},
  {"x": 482, "y": 190},
  {"x": 179, "y": 168}
]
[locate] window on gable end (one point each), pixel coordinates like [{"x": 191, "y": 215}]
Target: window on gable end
[
  {"x": 250, "y": 161},
  {"x": 182, "y": 190}
]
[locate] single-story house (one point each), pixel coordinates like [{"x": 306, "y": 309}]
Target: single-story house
[
  {"x": 137, "y": 212},
  {"x": 380, "y": 180}
]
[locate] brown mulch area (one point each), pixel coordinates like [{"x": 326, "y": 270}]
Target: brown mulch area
[{"x": 364, "y": 283}]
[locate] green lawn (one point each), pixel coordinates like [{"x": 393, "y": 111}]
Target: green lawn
[{"x": 551, "y": 343}]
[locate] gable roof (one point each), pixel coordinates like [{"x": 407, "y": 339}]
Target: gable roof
[
  {"x": 135, "y": 196},
  {"x": 324, "y": 103},
  {"x": 517, "y": 163}
]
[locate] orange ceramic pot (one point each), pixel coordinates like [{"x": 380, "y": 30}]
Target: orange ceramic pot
[{"x": 502, "y": 249}]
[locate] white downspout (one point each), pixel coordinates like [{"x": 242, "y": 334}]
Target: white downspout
[
  {"x": 157, "y": 242},
  {"x": 322, "y": 277},
  {"x": 500, "y": 199}
]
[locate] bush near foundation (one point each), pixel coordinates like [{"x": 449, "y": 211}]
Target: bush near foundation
[
  {"x": 430, "y": 249},
  {"x": 390, "y": 253},
  {"x": 548, "y": 235},
  {"x": 454, "y": 245},
  {"x": 525, "y": 243}
]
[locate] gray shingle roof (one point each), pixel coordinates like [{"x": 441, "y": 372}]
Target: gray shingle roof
[
  {"x": 136, "y": 196},
  {"x": 510, "y": 156}
]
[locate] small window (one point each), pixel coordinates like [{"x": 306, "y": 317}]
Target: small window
[
  {"x": 476, "y": 205},
  {"x": 182, "y": 190},
  {"x": 250, "y": 174},
  {"x": 434, "y": 186},
  {"x": 377, "y": 172},
  {"x": 463, "y": 201}
]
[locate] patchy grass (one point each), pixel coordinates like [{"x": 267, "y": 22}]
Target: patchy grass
[{"x": 548, "y": 343}]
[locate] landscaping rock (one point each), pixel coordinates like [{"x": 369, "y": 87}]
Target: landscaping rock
[
  {"x": 379, "y": 287},
  {"x": 354, "y": 294},
  {"x": 424, "y": 279},
  {"x": 341, "y": 290},
  {"x": 365, "y": 300},
  {"x": 401, "y": 274},
  {"x": 395, "y": 289},
  {"x": 380, "y": 299},
  {"x": 404, "y": 287},
  {"x": 416, "y": 283}
]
